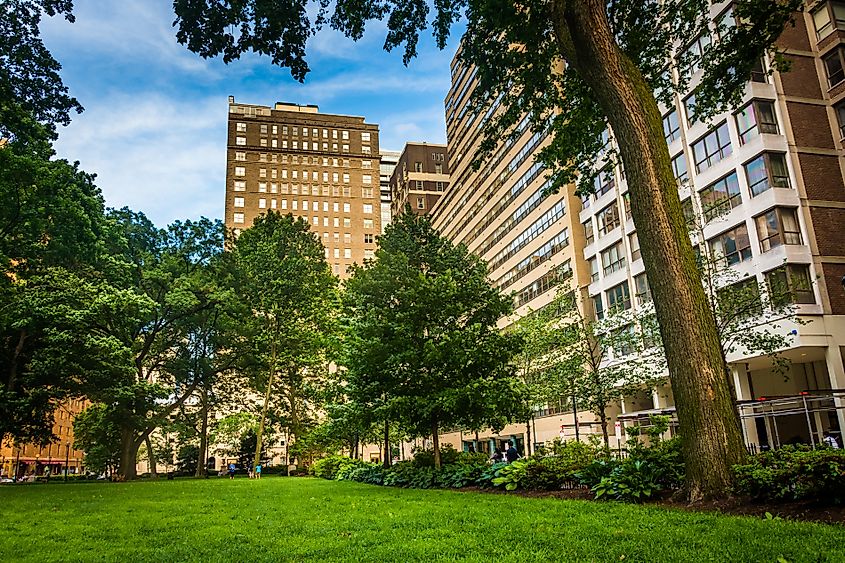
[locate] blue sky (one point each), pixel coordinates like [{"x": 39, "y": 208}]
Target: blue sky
[{"x": 154, "y": 126}]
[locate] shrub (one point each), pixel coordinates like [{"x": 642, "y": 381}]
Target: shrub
[
  {"x": 794, "y": 473},
  {"x": 460, "y": 475},
  {"x": 425, "y": 458},
  {"x": 549, "y": 473},
  {"x": 666, "y": 459},
  {"x": 595, "y": 471},
  {"x": 631, "y": 481},
  {"x": 372, "y": 474},
  {"x": 512, "y": 475},
  {"x": 347, "y": 466},
  {"x": 327, "y": 467},
  {"x": 490, "y": 473}
]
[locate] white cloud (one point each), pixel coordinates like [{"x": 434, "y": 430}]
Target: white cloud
[{"x": 158, "y": 155}]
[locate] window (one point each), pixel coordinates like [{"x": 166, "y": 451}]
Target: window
[
  {"x": 365, "y": 137},
  {"x": 755, "y": 118},
  {"x": 240, "y": 141},
  {"x": 273, "y": 204},
  {"x": 671, "y": 126},
  {"x": 240, "y": 127},
  {"x": 689, "y": 60},
  {"x": 679, "y": 168},
  {"x": 790, "y": 284},
  {"x": 366, "y": 164},
  {"x": 598, "y": 307},
  {"x": 589, "y": 235},
  {"x": 439, "y": 186},
  {"x": 840, "y": 115},
  {"x": 262, "y": 186},
  {"x": 834, "y": 66},
  {"x": 284, "y": 204},
  {"x": 604, "y": 182},
  {"x": 689, "y": 107},
  {"x": 367, "y": 179},
  {"x": 613, "y": 259},
  {"x": 368, "y": 238},
  {"x": 241, "y": 156},
  {"x": 438, "y": 168},
  {"x": 347, "y": 238},
  {"x": 712, "y": 148},
  {"x": 347, "y": 253},
  {"x": 778, "y": 227},
  {"x": 719, "y": 198},
  {"x": 619, "y": 297},
  {"x": 634, "y": 240},
  {"x": 345, "y": 135},
  {"x": 262, "y": 172},
  {"x": 240, "y": 186},
  {"x": 240, "y": 171},
  {"x": 733, "y": 246},
  {"x": 238, "y": 218},
  {"x": 368, "y": 223},
  {"x": 420, "y": 203},
  {"x": 262, "y": 203},
  {"x": 828, "y": 16},
  {"x": 345, "y": 177},
  {"x": 608, "y": 218},
  {"x": 418, "y": 184},
  {"x": 239, "y": 202},
  {"x": 594, "y": 270},
  {"x": 263, "y": 128},
  {"x": 758, "y": 72},
  {"x": 741, "y": 299},
  {"x": 368, "y": 208},
  {"x": 641, "y": 289},
  {"x": 418, "y": 167},
  {"x": 346, "y": 207},
  {"x": 766, "y": 171}
]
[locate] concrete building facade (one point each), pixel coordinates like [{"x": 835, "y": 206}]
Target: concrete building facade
[
  {"x": 766, "y": 182},
  {"x": 325, "y": 168},
  {"x": 389, "y": 160},
  {"x": 420, "y": 177}
]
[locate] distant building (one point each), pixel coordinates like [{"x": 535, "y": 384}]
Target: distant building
[
  {"x": 389, "y": 160},
  {"x": 32, "y": 459},
  {"x": 420, "y": 178},
  {"x": 321, "y": 167}
]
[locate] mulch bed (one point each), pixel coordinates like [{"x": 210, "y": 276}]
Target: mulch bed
[{"x": 735, "y": 506}]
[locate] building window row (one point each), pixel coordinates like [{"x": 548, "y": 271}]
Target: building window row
[
  {"x": 539, "y": 227},
  {"x": 538, "y": 258}
]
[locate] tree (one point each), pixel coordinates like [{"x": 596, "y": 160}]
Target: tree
[
  {"x": 616, "y": 54},
  {"x": 282, "y": 275},
  {"x": 423, "y": 342},
  {"x": 96, "y": 432}
]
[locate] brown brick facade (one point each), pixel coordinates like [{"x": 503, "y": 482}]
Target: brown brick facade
[
  {"x": 809, "y": 125},
  {"x": 802, "y": 80},
  {"x": 822, "y": 177},
  {"x": 833, "y": 274},
  {"x": 829, "y": 226}
]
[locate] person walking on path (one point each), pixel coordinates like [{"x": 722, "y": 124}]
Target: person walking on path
[
  {"x": 231, "y": 471},
  {"x": 511, "y": 454},
  {"x": 258, "y": 471},
  {"x": 497, "y": 456}
]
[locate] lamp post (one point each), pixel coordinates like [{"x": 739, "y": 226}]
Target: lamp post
[
  {"x": 67, "y": 458},
  {"x": 17, "y": 463}
]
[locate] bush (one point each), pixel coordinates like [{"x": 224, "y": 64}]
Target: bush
[
  {"x": 512, "y": 475},
  {"x": 348, "y": 466},
  {"x": 460, "y": 475},
  {"x": 595, "y": 471},
  {"x": 630, "y": 481},
  {"x": 369, "y": 473},
  {"x": 666, "y": 459},
  {"x": 794, "y": 473},
  {"x": 332, "y": 467},
  {"x": 550, "y": 473}
]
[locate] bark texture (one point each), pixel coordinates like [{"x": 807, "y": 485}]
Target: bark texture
[{"x": 712, "y": 441}]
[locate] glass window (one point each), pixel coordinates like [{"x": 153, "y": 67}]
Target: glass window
[
  {"x": 641, "y": 289},
  {"x": 790, "y": 284},
  {"x": 767, "y": 171},
  {"x": 712, "y": 148},
  {"x": 840, "y": 115},
  {"x": 755, "y": 118},
  {"x": 688, "y": 210},
  {"x": 671, "y": 126},
  {"x": 604, "y": 182},
  {"x": 679, "y": 167},
  {"x": 589, "y": 235},
  {"x": 619, "y": 297},
  {"x": 608, "y": 218},
  {"x": 834, "y": 67},
  {"x": 239, "y": 202},
  {"x": 822, "y": 22},
  {"x": 720, "y": 197},
  {"x": 635, "y": 247},
  {"x": 241, "y": 127},
  {"x": 778, "y": 227},
  {"x": 238, "y": 218},
  {"x": 594, "y": 270},
  {"x": 689, "y": 107},
  {"x": 758, "y": 72},
  {"x": 733, "y": 246},
  {"x": 690, "y": 58},
  {"x": 598, "y": 307},
  {"x": 613, "y": 259}
]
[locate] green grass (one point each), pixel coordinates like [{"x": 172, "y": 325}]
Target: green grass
[{"x": 289, "y": 519}]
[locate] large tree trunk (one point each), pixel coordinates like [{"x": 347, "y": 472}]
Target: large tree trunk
[
  {"x": 435, "y": 440},
  {"x": 151, "y": 456},
  {"x": 260, "y": 433},
  {"x": 712, "y": 441},
  {"x": 203, "y": 453},
  {"x": 128, "y": 455},
  {"x": 603, "y": 422}
]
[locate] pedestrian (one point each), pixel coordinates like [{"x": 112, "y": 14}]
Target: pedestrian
[
  {"x": 497, "y": 456},
  {"x": 472, "y": 448},
  {"x": 511, "y": 454},
  {"x": 830, "y": 441},
  {"x": 231, "y": 471},
  {"x": 258, "y": 471}
]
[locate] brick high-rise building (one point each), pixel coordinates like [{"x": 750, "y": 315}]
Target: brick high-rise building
[
  {"x": 321, "y": 167},
  {"x": 420, "y": 177}
]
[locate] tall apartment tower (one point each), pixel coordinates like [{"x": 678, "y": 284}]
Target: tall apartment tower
[
  {"x": 420, "y": 177},
  {"x": 389, "y": 160},
  {"x": 324, "y": 168},
  {"x": 530, "y": 239},
  {"x": 765, "y": 182}
]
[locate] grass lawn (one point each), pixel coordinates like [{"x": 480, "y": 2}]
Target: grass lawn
[{"x": 298, "y": 519}]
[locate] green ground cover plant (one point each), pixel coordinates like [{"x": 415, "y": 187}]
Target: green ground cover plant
[
  {"x": 794, "y": 473},
  {"x": 306, "y": 519}
]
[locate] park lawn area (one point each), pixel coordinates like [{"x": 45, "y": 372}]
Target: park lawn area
[{"x": 302, "y": 519}]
